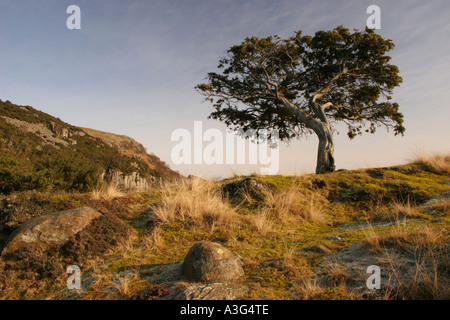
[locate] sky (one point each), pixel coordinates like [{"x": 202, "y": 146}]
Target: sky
[{"x": 132, "y": 67}]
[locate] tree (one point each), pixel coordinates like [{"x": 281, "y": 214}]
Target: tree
[{"x": 304, "y": 84}]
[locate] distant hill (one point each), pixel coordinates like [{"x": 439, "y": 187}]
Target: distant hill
[{"x": 41, "y": 152}]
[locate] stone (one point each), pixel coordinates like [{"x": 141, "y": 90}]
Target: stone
[
  {"x": 246, "y": 185},
  {"x": 213, "y": 291},
  {"x": 46, "y": 231},
  {"x": 131, "y": 181},
  {"x": 211, "y": 262}
]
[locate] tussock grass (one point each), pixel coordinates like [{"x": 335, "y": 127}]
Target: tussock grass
[
  {"x": 426, "y": 278},
  {"x": 294, "y": 203},
  {"x": 441, "y": 207},
  {"x": 154, "y": 241},
  {"x": 271, "y": 223},
  {"x": 418, "y": 259},
  {"x": 107, "y": 192},
  {"x": 193, "y": 200},
  {"x": 307, "y": 289},
  {"x": 437, "y": 162},
  {"x": 406, "y": 238},
  {"x": 403, "y": 209},
  {"x": 124, "y": 284},
  {"x": 261, "y": 222},
  {"x": 337, "y": 275}
]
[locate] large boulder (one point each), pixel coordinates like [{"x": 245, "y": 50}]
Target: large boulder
[
  {"x": 211, "y": 262},
  {"x": 49, "y": 230}
]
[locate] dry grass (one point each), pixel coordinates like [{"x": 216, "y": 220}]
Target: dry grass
[
  {"x": 268, "y": 227},
  {"x": 107, "y": 192},
  {"x": 307, "y": 289},
  {"x": 404, "y": 238},
  {"x": 419, "y": 262},
  {"x": 438, "y": 162},
  {"x": 261, "y": 222},
  {"x": 154, "y": 241},
  {"x": 395, "y": 211},
  {"x": 125, "y": 283},
  {"x": 403, "y": 210},
  {"x": 442, "y": 207},
  {"x": 293, "y": 203},
  {"x": 336, "y": 274},
  {"x": 193, "y": 200},
  {"x": 425, "y": 278}
]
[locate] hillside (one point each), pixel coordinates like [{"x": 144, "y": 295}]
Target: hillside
[
  {"x": 131, "y": 148},
  {"x": 298, "y": 237},
  {"x": 41, "y": 152}
]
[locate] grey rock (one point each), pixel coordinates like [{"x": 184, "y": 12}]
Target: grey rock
[
  {"x": 130, "y": 182},
  {"x": 246, "y": 185},
  {"x": 214, "y": 291},
  {"x": 48, "y": 230},
  {"x": 211, "y": 262}
]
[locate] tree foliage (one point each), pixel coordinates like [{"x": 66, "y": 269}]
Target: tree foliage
[{"x": 303, "y": 84}]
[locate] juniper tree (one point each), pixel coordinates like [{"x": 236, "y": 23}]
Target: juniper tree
[{"x": 304, "y": 84}]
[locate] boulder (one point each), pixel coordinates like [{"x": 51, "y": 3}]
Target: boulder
[
  {"x": 213, "y": 291},
  {"x": 247, "y": 185},
  {"x": 49, "y": 230},
  {"x": 211, "y": 262}
]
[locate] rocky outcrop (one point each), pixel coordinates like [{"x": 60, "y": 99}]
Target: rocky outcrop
[
  {"x": 121, "y": 143},
  {"x": 246, "y": 186},
  {"x": 55, "y": 138},
  {"x": 211, "y": 262},
  {"x": 213, "y": 291},
  {"x": 129, "y": 182},
  {"x": 46, "y": 231},
  {"x": 131, "y": 148}
]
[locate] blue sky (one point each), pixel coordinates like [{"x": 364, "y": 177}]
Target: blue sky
[{"x": 132, "y": 68}]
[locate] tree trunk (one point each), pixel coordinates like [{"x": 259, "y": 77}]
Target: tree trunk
[
  {"x": 325, "y": 157},
  {"x": 322, "y": 127}
]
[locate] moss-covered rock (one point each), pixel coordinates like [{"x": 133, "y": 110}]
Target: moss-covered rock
[{"x": 211, "y": 262}]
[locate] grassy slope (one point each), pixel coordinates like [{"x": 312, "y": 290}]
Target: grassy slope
[
  {"x": 306, "y": 237},
  {"x": 34, "y": 155}
]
